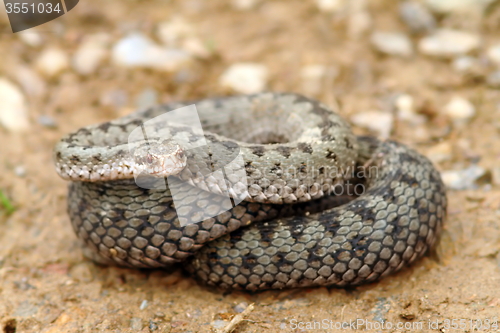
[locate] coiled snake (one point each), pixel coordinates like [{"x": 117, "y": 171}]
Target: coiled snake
[{"x": 240, "y": 204}]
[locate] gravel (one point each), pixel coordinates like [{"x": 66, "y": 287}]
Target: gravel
[
  {"x": 52, "y": 61},
  {"x": 464, "y": 179},
  {"x": 91, "y": 53},
  {"x": 459, "y": 109},
  {"x": 417, "y": 16},
  {"x": 137, "y": 50},
  {"x": 392, "y": 43},
  {"x": 450, "y": 6},
  {"x": 13, "y": 107},
  {"x": 449, "y": 43},
  {"x": 245, "y": 78},
  {"x": 380, "y": 122}
]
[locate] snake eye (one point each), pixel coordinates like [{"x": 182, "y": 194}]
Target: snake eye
[{"x": 149, "y": 158}]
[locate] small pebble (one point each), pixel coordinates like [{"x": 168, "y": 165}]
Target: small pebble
[
  {"x": 173, "y": 31},
  {"x": 90, "y": 53},
  {"x": 245, "y": 78},
  {"x": 440, "y": 152},
  {"x": 81, "y": 272},
  {"x": 136, "y": 324},
  {"x": 47, "y": 121},
  {"x": 218, "y": 324},
  {"x": 13, "y": 107},
  {"x": 30, "y": 37},
  {"x": 494, "y": 54},
  {"x": 136, "y": 50},
  {"x": 416, "y": 16},
  {"x": 449, "y": 43},
  {"x": 392, "y": 43},
  {"x": 52, "y": 61},
  {"x": 493, "y": 79},
  {"x": 116, "y": 98},
  {"x": 240, "y": 307},
  {"x": 464, "y": 64},
  {"x": 20, "y": 171},
  {"x": 147, "y": 98},
  {"x": 462, "y": 179},
  {"x": 144, "y": 304},
  {"x": 405, "y": 107},
  {"x": 330, "y": 6},
  {"x": 152, "y": 326},
  {"x": 378, "y": 121},
  {"x": 30, "y": 81},
  {"x": 244, "y": 4},
  {"x": 459, "y": 110},
  {"x": 450, "y": 6},
  {"x": 196, "y": 47},
  {"x": 25, "y": 309}
]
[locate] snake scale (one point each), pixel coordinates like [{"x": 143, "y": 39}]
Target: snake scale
[{"x": 277, "y": 219}]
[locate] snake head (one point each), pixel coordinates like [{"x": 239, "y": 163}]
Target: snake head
[{"x": 159, "y": 158}]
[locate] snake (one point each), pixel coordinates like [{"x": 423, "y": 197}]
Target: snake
[{"x": 252, "y": 192}]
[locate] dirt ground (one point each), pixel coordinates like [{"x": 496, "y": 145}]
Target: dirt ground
[{"x": 46, "y": 285}]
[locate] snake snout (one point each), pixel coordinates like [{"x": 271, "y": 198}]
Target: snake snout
[{"x": 160, "y": 160}]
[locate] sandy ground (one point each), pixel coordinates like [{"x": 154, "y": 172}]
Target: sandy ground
[{"x": 46, "y": 285}]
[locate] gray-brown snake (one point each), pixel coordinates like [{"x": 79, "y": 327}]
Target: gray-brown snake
[{"x": 274, "y": 238}]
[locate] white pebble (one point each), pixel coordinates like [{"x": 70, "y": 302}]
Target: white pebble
[
  {"x": 144, "y": 305},
  {"x": 462, "y": 179},
  {"x": 460, "y": 110},
  {"x": 440, "y": 152},
  {"x": 173, "y": 31},
  {"x": 330, "y": 6},
  {"x": 30, "y": 37},
  {"x": 218, "y": 324},
  {"x": 52, "y": 61},
  {"x": 378, "y": 121},
  {"x": 416, "y": 16},
  {"x": 136, "y": 50},
  {"x": 13, "y": 108},
  {"x": 20, "y": 171},
  {"x": 392, "y": 43},
  {"x": 449, "y": 43},
  {"x": 244, "y": 4},
  {"x": 246, "y": 78},
  {"x": 47, "y": 121},
  {"x": 91, "y": 53},
  {"x": 494, "y": 54},
  {"x": 240, "y": 307},
  {"x": 196, "y": 47},
  {"x": 464, "y": 64},
  {"x": 451, "y": 6},
  {"x": 30, "y": 81},
  {"x": 405, "y": 107}
]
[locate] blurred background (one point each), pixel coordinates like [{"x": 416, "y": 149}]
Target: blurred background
[{"x": 426, "y": 73}]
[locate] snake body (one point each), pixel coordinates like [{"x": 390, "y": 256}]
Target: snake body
[{"x": 274, "y": 236}]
